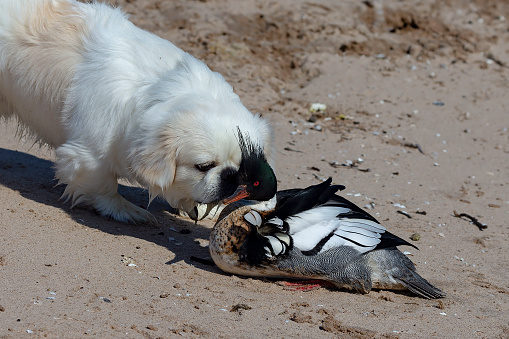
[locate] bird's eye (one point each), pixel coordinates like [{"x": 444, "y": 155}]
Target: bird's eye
[
  {"x": 205, "y": 166},
  {"x": 256, "y": 183}
]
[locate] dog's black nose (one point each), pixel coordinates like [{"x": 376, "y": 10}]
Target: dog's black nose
[{"x": 228, "y": 174}]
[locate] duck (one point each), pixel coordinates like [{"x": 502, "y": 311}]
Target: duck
[{"x": 313, "y": 234}]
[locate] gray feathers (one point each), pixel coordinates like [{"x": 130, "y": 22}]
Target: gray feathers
[
  {"x": 347, "y": 268},
  {"x": 392, "y": 269}
]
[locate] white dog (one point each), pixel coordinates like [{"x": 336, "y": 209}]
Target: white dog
[{"x": 116, "y": 101}]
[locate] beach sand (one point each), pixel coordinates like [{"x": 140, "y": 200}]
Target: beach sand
[{"x": 416, "y": 121}]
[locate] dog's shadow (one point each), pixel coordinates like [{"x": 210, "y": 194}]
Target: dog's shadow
[{"x": 33, "y": 178}]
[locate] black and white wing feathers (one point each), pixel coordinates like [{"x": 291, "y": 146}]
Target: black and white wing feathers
[{"x": 315, "y": 219}]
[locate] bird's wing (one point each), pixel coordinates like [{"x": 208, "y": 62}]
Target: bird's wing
[
  {"x": 292, "y": 202},
  {"x": 304, "y": 220},
  {"x": 363, "y": 235}
]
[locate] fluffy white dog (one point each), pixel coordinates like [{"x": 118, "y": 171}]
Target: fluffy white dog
[{"x": 116, "y": 101}]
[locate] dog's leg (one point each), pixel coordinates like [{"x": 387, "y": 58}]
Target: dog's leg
[
  {"x": 88, "y": 181},
  {"x": 117, "y": 207}
]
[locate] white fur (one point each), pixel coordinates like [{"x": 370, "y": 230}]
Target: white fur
[{"x": 116, "y": 101}]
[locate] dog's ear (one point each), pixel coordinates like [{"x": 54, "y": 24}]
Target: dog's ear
[
  {"x": 155, "y": 165},
  {"x": 160, "y": 172}
]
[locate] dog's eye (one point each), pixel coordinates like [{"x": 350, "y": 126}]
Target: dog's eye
[{"x": 205, "y": 167}]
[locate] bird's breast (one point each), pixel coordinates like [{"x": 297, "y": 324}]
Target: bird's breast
[{"x": 229, "y": 234}]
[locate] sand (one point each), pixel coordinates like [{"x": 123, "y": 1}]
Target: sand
[{"x": 416, "y": 121}]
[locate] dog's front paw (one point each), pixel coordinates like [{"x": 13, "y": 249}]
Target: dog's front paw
[{"x": 118, "y": 208}]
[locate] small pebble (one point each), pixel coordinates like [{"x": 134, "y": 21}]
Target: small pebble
[
  {"x": 415, "y": 237},
  {"x": 240, "y": 307},
  {"x": 152, "y": 328},
  {"x": 317, "y": 107}
]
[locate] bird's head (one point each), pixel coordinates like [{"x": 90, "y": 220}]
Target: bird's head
[{"x": 256, "y": 178}]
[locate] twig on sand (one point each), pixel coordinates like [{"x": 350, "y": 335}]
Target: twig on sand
[
  {"x": 472, "y": 219},
  {"x": 404, "y": 213}
]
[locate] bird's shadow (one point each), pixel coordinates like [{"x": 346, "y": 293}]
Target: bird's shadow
[{"x": 34, "y": 179}]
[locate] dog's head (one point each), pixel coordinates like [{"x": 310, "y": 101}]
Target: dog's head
[{"x": 187, "y": 150}]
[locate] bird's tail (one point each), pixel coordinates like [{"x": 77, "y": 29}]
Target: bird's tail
[
  {"x": 391, "y": 269},
  {"x": 422, "y": 287}
]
